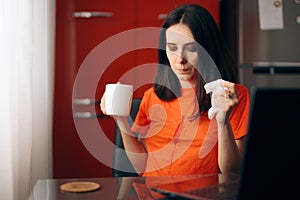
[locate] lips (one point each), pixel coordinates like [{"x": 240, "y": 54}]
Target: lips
[{"x": 184, "y": 71}]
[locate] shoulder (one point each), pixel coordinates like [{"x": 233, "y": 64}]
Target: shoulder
[
  {"x": 243, "y": 97},
  {"x": 150, "y": 95},
  {"x": 150, "y": 98},
  {"x": 149, "y": 91},
  {"x": 242, "y": 91},
  {"x": 241, "y": 88}
]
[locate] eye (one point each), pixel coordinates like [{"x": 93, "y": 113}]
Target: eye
[
  {"x": 191, "y": 48},
  {"x": 171, "y": 47}
]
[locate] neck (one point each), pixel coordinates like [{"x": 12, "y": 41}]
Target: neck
[{"x": 187, "y": 83}]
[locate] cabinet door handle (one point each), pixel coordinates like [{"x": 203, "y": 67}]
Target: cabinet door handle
[
  {"x": 88, "y": 14},
  {"x": 86, "y": 101},
  {"x": 162, "y": 16},
  {"x": 298, "y": 19},
  {"x": 87, "y": 115}
]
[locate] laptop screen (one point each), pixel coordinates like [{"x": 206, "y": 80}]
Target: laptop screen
[{"x": 273, "y": 146}]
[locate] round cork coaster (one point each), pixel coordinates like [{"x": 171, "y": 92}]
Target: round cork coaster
[{"x": 80, "y": 186}]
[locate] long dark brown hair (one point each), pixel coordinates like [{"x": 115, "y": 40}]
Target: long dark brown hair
[{"x": 206, "y": 33}]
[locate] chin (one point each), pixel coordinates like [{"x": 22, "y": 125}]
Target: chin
[{"x": 185, "y": 78}]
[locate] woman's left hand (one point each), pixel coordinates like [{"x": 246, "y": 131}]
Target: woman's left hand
[{"x": 225, "y": 100}]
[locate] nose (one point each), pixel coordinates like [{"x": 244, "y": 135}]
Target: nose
[{"x": 181, "y": 58}]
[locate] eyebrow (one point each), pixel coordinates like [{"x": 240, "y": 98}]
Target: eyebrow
[{"x": 170, "y": 43}]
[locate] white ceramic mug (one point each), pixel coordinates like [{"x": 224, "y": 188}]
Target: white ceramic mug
[{"x": 118, "y": 98}]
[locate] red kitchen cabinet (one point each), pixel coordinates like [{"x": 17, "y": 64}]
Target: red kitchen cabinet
[
  {"x": 76, "y": 36},
  {"x": 82, "y": 28}
]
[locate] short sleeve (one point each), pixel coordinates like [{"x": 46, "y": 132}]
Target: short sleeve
[
  {"x": 142, "y": 119},
  {"x": 240, "y": 115}
]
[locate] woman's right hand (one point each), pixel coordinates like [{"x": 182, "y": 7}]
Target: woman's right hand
[{"x": 102, "y": 104}]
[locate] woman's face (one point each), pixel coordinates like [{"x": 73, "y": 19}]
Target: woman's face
[{"x": 182, "y": 53}]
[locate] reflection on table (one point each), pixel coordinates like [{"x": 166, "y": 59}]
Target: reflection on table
[{"x": 110, "y": 188}]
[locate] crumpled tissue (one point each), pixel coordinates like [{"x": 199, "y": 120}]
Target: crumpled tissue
[{"x": 214, "y": 87}]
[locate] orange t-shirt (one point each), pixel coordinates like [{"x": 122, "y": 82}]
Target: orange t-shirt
[{"x": 177, "y": 138}]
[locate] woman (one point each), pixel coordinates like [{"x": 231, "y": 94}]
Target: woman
[{"x": 176, "y": 137}]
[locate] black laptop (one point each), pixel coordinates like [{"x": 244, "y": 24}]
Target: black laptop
[{"x": 270, "y": 168}]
